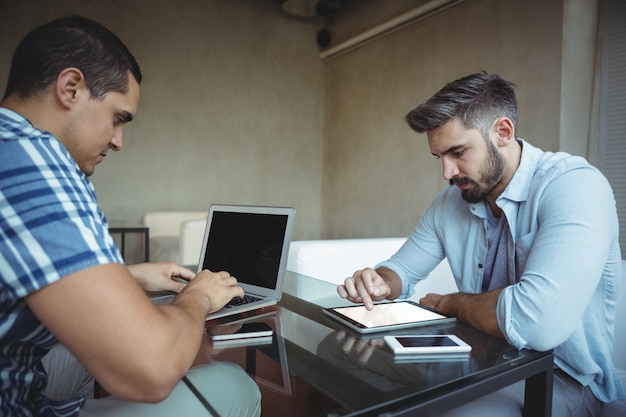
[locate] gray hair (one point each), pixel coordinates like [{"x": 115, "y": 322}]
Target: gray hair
[{"x": 477, "y": 100}]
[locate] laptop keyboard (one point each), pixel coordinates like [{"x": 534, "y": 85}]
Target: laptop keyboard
[{"x": 246, "y": 299}]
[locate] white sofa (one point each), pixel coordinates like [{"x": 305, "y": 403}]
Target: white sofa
[
  {"x": 334, "y": 260},
  {"x": 176, "y": 236}
]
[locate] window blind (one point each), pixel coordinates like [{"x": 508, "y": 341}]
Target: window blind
[{"x": 612, "y": 120}]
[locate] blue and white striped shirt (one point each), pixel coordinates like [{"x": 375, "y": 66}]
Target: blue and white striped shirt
[{"x": 50, "y": 227}]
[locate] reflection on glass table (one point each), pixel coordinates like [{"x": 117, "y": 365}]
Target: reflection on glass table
[{"x": 315, "y": 367}]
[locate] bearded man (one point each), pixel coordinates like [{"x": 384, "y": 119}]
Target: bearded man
[{"x": 532, "y": 241}]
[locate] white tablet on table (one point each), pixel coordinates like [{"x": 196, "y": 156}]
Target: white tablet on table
[{"x": 386, "y": 316}]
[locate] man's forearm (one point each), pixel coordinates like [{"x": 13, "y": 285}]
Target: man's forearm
[{"x": 477, "y": 310}]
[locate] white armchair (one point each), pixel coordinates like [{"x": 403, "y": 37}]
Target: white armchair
[
  {"x": 166, "y": 235},
  {"x": 191, "y": 236}
]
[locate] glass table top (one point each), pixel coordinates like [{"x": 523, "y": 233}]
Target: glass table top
[{"x": 316, "y": 367}]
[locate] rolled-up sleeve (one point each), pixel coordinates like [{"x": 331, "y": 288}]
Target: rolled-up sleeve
[{"x": 561, "y": 259}]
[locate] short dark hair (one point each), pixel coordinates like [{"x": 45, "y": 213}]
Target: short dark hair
[
  {"x": 71, "y": 41},
  {"x": 477, "y": 100}
]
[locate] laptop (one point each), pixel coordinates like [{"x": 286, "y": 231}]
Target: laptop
[{"x": 252, "y": 244}]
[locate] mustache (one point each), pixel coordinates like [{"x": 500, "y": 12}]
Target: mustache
[{"x": 461, "y": 181}]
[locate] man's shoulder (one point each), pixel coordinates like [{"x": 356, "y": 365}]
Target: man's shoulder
[
  {"x": 539, "y": 160},
  {"x": 13, "y": 125},
  {"x": 566, "y": 168},
  {"x": 562, "y": 161},
  {"x": 539, "y": 168},
  {"x": 26, "y": 150}
]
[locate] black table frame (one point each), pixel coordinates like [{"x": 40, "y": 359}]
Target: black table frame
[
  {"x": 538, "y": 374},
  {"x": 124, "y": 230}
]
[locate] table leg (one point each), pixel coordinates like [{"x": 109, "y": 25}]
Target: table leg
[
  {"x": 538, "y": 394},
  {"x": 123, "y": 245},
  {"x": 146, "y": 246}
]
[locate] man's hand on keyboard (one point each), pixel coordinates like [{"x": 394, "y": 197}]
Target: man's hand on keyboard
[
  {"x": 237, "y": 301},
  {"x": 215, "y": 289}
]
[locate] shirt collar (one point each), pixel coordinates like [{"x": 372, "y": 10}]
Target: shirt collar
[
  {"x": 14, "y": 116},
  {"x": 518, "y": 188}
]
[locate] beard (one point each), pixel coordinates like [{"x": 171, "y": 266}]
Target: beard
[{"x": 490, "y": 176}]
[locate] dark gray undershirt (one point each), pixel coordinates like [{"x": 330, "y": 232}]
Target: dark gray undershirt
[{"x": 496, "y": 265}]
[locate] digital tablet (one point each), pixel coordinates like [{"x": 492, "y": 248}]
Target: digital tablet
[
  {"x": 412, "y": 345},
  {"x": 386, "y": 316}
]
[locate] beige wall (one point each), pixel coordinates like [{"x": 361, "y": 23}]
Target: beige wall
[
  {"x": 379, "y": 176},
  {"x": 231, "y": 108},
  {"x": 238, "y": 107}
]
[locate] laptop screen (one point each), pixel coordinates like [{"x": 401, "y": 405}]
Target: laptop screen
[{"x": 247, "y": 245}]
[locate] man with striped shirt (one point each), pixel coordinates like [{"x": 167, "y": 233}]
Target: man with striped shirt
[{"x": 72, "y": 87}]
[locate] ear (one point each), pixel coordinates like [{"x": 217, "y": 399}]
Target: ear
[
  {"x": 70, "y": 85},
  {"x": 504, "y": 130}
]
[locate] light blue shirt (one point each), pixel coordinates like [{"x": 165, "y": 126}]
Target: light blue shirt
[{"x": 566, "y": 271}]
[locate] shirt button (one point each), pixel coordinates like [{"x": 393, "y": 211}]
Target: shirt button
[{"x": 480, "y": 266}]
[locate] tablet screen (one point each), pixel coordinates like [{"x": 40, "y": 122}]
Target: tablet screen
[{"x": 388, "y": 314}]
